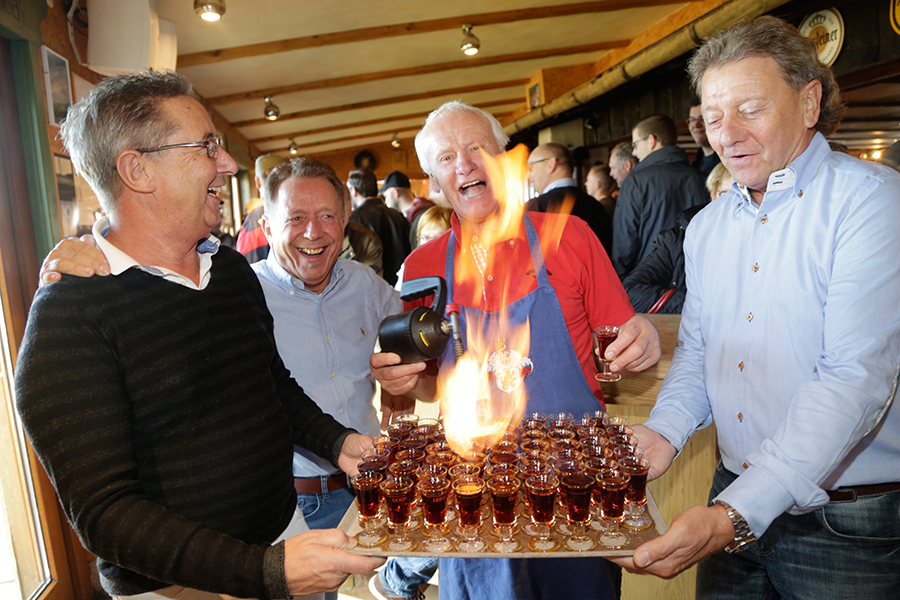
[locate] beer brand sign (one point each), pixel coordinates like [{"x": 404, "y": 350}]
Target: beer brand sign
[{"x": 826, "y": 29}]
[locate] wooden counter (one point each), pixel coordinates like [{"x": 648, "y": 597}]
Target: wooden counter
[{"x": 686, "y": 483}]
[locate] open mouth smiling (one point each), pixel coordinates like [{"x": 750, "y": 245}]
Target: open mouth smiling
[
  {"x": 466, "y": 188},
  {"x": 311, "y": 251}
]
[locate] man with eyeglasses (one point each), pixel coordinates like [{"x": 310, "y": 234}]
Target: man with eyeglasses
[
  {"x": 661, "y": 186},
  {"x": 706, "y": 158},
  {"x": 155, "y": 398}
]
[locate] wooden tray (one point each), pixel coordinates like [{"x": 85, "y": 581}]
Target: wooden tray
[{"x": 350, "y": 525}]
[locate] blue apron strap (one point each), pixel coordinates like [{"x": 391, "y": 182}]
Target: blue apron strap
[
  {"x": 537, "y": 255},
  {"x": 449, "y": 265}
]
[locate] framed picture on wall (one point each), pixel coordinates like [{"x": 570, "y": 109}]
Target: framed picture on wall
[{"x": 57, "y": 84}]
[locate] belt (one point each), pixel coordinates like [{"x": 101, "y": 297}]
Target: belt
[
  {"x": 313, "y": 485},
  {"x": 851, "y": 493}
]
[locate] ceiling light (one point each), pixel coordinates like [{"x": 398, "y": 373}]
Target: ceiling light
[
  {"x": 470, "y": 44},
  {"x": 293, "y": 148},
  {"x": 876, "y": 155},
  {"x": 209, "y": 10},
  {"x": 271, "y": 111},
  {"x": 395, "y": 141}
]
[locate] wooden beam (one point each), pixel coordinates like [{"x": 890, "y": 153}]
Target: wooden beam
[
  {"x": 366, "y": 135},
  {"x": 388, "y": 31},
  {"x": 419, "y": 70},
  {"x": 420, "y": 115},
  {"x": 385, "y": 101}
]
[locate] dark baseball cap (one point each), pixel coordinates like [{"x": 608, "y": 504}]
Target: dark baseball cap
[{"x": 395, "y": 179}]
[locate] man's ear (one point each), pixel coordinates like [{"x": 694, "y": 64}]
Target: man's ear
[
  {"x": 266, "y": 227},
  {"x": 811, "y": 96},
  {"x": 133, "y": 172},
  {"x": 433, "y": 184}
]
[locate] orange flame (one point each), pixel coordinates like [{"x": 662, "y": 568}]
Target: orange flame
[{"x": 485, "y": 395}]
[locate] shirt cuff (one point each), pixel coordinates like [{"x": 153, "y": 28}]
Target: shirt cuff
[
  {"x": 673, "y": 426},
  {"x": 338, "y": 444},
  {"x": 274, "y": 577}
]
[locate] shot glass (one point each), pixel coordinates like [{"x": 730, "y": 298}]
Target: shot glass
[
  {"x": 613, "y": 484},
  {"x": 469, "y": 491},
  {"x": 368, "y": 500},
  {"x": 434, "y": 491},
  {"x": 578, "y": 488},
  {"x": 636, "y": 494},
  {"x": 604, "y": 336},
  {"x": 397, "y": 493},
  {"x": 504, "y": 493},
  {"x": 542, "y": 491}
]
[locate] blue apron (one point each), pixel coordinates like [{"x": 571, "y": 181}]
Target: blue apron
[{"x": 556, "y": 383}]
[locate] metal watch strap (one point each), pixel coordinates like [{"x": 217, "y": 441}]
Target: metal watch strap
[{"x": 743, "y": 535}]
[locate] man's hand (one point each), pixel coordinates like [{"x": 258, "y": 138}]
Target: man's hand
[
  {"x": 316, "y": 562},
  {"x": 400, "y": 379},
  {"x": 693, "y": 535},
  {"x": 637, "y": 346},
  {"x": 351, "y": 452},
  {"x": 393, "y": 406},
  {"x": 657, "y": 450},
  {"x": 74, "y": 256}
]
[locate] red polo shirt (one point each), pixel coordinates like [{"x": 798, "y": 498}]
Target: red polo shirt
[{"x": 586, "y": 284}]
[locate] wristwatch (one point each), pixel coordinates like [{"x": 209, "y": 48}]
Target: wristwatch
[{"x": 743, "y": 535}]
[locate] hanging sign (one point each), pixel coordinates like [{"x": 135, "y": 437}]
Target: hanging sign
[{"x": 826, "y": 29}]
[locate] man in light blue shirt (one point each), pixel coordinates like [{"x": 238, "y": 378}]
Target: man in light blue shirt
[
  {"x": 789, "y": 341},
  {"x": 327, "y": 312}
]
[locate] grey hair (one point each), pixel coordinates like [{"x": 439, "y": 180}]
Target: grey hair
[
  {"x": 122, "y": 112},
  {"x": 305, "y": 167},
  {"x": 623, "y": 151},
  {"x": 425, "y": 137},
  {"x": 774, "y": 38}
]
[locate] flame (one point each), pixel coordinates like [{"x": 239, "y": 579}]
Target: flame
[{"x": 485, "y": 395}]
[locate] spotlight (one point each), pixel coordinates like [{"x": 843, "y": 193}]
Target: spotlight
[
  {"x": 210, "y": 10},
  {"x": 470, "y": 44},
  {"x": 271, "y": 111},
  {"x": 293, "y": 148},
  {"x": 395, "y": 141}
]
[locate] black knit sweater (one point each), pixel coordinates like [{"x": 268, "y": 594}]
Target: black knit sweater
[{"x": 165, "y": 419}]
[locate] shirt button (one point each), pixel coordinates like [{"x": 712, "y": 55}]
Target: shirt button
[
  {"x": 342, "y": 411},
  {"x": 745, "y": 465},
  {"x": 800, "y": 194},
  {"x": 750, "y": 316},
  {"x": 332, "y": 375},
  {"x": 490, "y": 277},
  {"x": 512, "y": 243},
  {"x": 764, "y": 219},
  {"x": 328, "y": 337},
  {"x": 292, "y": 292},
  {"x": 474, "y": 238},
  {"x": 756, "y": 267},
  {"x": 740, "y": 416},
  {"x": 741, "y": 365}
]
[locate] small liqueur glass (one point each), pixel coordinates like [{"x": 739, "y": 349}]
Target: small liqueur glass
[
  {"x": 542, "y": 491},
  {"x": 504, "y": 493},
  {"x": 368, "y": 500},
  {"x": 613, "y": 484},
  {"x": 397, "y": 493},
  {"x": 604, "y": 336},
  {"x": 559, "y": 420},
  {"x": 614, "y": 425},
  {"x": 469, "y": 491},
  {"x": 578, "y": 488},
  {"x": 636, "y": 494},
  {"x": 434, "y": 491},
  {"x": 594, "y": 418}
]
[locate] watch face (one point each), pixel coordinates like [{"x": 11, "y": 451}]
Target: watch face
[{"x": 365, "y": 159}]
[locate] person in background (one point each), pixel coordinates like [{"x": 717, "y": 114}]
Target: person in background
[
  {"x": 600, "y": 184},
  {"x": 166, "y": 425},
  {"x": 390, "y": 225},
  {"x": 657, "y": 284},
  {"x": 434, "y": 222},
  {"x": 662, "y": 185},
  {"x": 550, "y": 168},
  {"x": 563, "y": 281},
  {"x": 789, "y": 341},
  {"x": 706, "y": 158},
  {"x": 622, "y": 162},
  {"x": 251, "y": 241},
  {"x": 397, "y": 190},
  {"x": 361, "y": 243}
]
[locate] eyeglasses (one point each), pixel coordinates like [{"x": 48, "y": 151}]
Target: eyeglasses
[
  {"x": 540, "y": 160},
  {"x": 212, "y": 146},
  {"x": 691, "y": 120},
  {"x": 635, "y": 142}
]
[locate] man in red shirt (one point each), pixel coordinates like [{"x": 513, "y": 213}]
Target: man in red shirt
[{"x": 551, "y": 271}]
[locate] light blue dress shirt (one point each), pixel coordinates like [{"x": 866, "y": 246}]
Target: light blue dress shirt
[
  {"x": 790, "y": 335},
  {"x": 326, "y": 341}
]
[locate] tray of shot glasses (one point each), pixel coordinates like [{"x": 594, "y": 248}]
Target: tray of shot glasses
[{"x": 584, "y": 495}]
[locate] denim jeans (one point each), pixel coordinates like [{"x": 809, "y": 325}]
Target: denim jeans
[
  {"x": 325, "y": 510},
  {"x": 403, "y": 576},
  {"x": 842, "y": 550}
]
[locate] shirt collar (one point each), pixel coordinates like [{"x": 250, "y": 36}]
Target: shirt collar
[
  {"x": 119, "y": 261},
  {"x": 564, "y": 182},
  {"x": 281, "y": 274}
]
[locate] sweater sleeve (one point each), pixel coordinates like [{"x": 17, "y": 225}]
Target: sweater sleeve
[
  {"x": 656, "y": 273},
  {"x": 79, "y": 417}
]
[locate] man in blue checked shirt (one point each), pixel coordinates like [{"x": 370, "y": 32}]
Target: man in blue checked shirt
[{"x": 789, "y": 341}]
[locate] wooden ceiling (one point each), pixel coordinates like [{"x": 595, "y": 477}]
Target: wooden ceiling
[{"x": 348, "y": 73}]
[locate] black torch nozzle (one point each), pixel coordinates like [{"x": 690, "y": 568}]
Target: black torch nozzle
[{"x": 453, "y": 312}]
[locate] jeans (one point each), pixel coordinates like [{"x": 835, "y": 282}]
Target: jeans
[
  {"x": 325, "y": 510},
  {"x": 842, "y": 550},
  {"x": 403, "y": 576}
]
